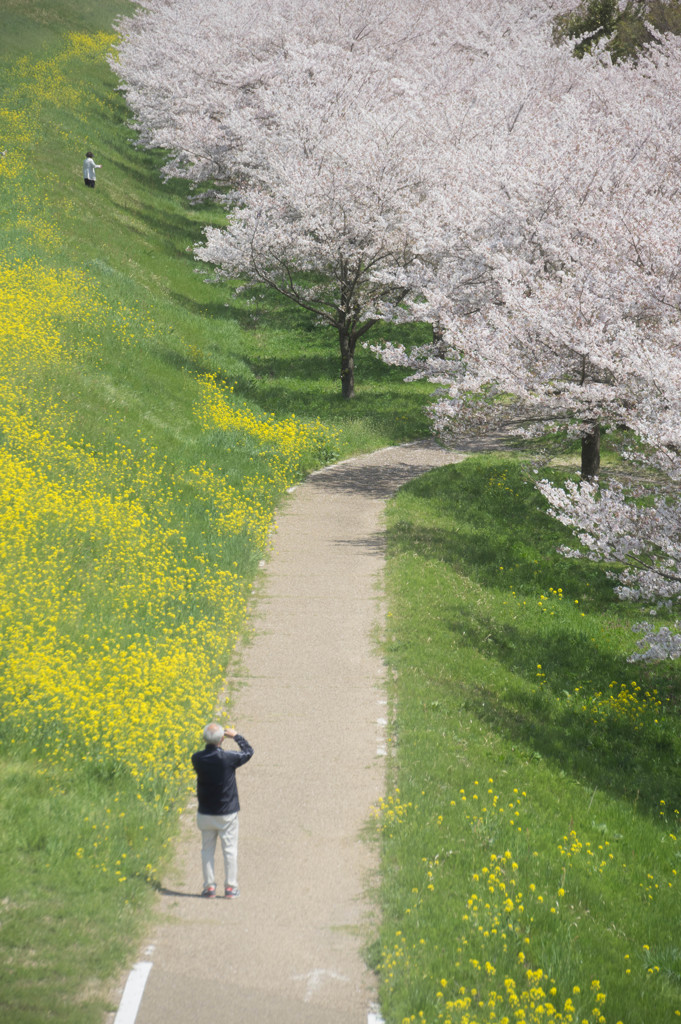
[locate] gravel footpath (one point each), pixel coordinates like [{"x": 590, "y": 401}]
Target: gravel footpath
[{"x": 310, "y": 698}]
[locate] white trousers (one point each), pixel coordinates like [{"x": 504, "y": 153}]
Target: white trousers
[{"x": 226, "y": 826}]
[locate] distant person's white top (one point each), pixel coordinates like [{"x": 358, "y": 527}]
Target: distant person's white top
[{"x": 89, "y": 168}]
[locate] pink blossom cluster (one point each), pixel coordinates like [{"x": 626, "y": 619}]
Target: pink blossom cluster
[{"x": 419, "y": 160}]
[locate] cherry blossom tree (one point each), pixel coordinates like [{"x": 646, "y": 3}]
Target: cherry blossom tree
[
  {"x": 395, "y": 160},
  {"x": 580, "y": 326},
  {"x": 331, "y": 220},
  {"x": 640, "y": 531},
  {"x": 332, "y": 182},
  {"x": 201, "y": 76},
  {"x": 583, "y": 262},
  {"x": 636, "y": 529},
  {"x": 351, "y": 172}
]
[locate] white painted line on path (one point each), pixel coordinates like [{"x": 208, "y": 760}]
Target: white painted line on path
[
  {"x": 314, "y": 979},
  {"x": 375, "y": 1016},
  {"x": 132, "y": 993},
  {"x": 381, "y": 724}
]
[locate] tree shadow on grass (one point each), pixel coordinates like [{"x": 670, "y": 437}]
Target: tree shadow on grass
[
  {"x": 610, "y": 755},
  {"x": 499, "y": 537},
  {"x": 617, "y": 748},
  {"x": 307, "y": 383},
  {"x": 569, "y": 656},
  {"x": 506, "y": 562}
]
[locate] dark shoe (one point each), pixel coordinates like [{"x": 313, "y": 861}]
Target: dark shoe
[
  {"x": 231, "y": 892},
  {"x": 209, "y": 892}
]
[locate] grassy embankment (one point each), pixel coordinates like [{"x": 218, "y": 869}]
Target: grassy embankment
[
  {"x": 147, "y": 433},
  {"x": 532, "y": 843}
]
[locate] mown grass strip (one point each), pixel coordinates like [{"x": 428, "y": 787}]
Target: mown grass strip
[{"x": 531, "y": 851}]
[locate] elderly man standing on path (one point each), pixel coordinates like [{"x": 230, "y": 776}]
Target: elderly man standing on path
[{"x": 218, "y": 813}]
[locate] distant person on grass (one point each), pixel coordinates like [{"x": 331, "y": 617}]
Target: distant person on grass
[
  {"x": 219, "y": 803},
  {"x": 89, "y": 175}
]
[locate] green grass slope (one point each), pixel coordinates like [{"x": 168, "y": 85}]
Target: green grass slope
[
  {"x": 531, "y": 845},
  {"x": 147, "y": 432}
]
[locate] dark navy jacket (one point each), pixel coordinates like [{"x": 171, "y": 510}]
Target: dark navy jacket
[{"x": 215, "y": 776}]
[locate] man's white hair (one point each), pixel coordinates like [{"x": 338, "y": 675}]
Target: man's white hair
[{"x": 213, "y": 733}]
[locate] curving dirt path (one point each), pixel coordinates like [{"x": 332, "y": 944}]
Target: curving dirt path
[{"x": 310, "y": 699}]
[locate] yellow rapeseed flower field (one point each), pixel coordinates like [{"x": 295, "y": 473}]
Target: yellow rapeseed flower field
[
  {"x": 114, "y": 627},
  {"x": 85, "y": 545}
]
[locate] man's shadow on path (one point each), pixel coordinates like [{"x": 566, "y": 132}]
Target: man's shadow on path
[{"x": 185, "y": 895}]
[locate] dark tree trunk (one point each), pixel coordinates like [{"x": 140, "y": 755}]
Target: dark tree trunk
[
  {"x": 347, "y": 349},
  {"x": 438, "y": 337},
  {"x": 591, "y": 453}
]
